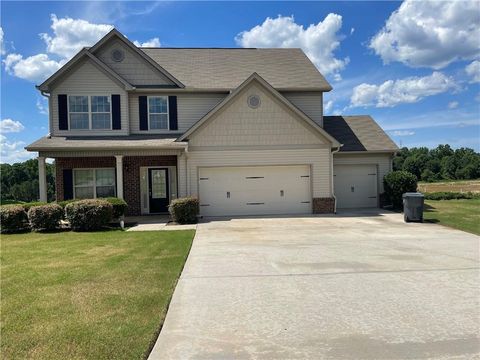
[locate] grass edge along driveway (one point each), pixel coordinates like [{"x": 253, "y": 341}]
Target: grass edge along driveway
[
  {"x": 463, "y": 214},
  {"x": 100, "y": 295}
]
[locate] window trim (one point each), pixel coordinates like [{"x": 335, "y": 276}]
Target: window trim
[
  {"x": 168, "y": 112},
  {"x": 90, "y": 112},
  {"x": 94, "y": 180}
]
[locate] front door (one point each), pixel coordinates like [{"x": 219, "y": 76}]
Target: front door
[{"x": 158, "y": 190}]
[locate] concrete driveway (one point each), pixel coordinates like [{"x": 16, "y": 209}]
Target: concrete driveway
[{"x": 351, "y": 286}]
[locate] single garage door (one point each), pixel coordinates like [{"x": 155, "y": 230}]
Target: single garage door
[
  {"x": 256, "y": 190},
  {"x": 355, "y": 186}
]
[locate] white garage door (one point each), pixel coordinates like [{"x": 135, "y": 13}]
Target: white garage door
[
  {"x": 355, "y": 185},
  {"x": 256, "y": 190}
]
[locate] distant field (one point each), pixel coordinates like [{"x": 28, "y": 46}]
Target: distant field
[{"x": 456, "y": 186}]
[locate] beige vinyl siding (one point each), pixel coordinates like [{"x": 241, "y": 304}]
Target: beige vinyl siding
[
  {"x": 383, "y": 162},
  {"x": 190, "y": 109},
  {"x": 272, "y": 123},
  {"x": 311, "y": 103},
  {"x": 133, "y": 68},
  {"x": 87, "y": 79},
  {"x": 317, "y": 159}
]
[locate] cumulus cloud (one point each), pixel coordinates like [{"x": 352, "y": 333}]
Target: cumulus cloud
[
  {"x": 11, "y": 126},
  {"x": 453, "y": 104},
  {"x": 328, "y": 106},
  {"x": 430, "y": 33},
  {"x": 42, "y": 105},
  {"x": 473, "y": 70},
  {"x": 12, "y": 151},
  {"x": 318, "y": 41},
  {"x": 154, "y": 42},
  {"x": 34, "y": 68},
  {"x": 2, "y": 46},
  {"x": 395, "y": 92},
  {"x": 403, "y": 133}
]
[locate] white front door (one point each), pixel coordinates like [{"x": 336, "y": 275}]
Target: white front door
[
  {"x": 355, "y": 186},
  {"x": 256, "y": 190}
]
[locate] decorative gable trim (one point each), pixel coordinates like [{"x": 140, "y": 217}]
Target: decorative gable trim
[
  {"x": 262, "y": 82},
  {"x": 148, "y": 59}
]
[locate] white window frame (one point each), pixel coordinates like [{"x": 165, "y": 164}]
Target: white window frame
[
  {"x": 168, "y": 112},
  {"x": 89, "y": 101},
  {"x": 94, "y": 181}
]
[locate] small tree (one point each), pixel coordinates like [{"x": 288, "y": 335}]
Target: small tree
[{"x": 396, "y": 184}]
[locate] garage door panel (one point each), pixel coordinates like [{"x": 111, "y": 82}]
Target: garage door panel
[
  {"x": 355, "y": 186},
  {"x": 255, "y": 190}
]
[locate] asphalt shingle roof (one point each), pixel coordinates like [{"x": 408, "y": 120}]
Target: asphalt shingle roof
[
  {"x": 213, "y": 68},
  {"x": 358, "y": 133}
]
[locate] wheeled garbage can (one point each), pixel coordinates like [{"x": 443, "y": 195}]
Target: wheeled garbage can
[{"x": 413, "y": 206}]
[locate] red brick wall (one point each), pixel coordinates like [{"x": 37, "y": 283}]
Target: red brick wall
[
  {"x": 323, "y": 205},
  {"x": 131, "y": 173}
]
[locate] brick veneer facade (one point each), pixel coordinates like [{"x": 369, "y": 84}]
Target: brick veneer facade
[
  {"x": 323, "y": 205},
  {"x": 131, "y": 173}
]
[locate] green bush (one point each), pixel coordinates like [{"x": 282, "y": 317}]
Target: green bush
[
  {"x": 184, "y": 210},
  {"x": 87, "y": 215},
  {"x": 45, "y": 217},
  {"x": 445, "y": 195},
  {"x": 13, "y": 218},
  {"x": 66, "y": 202},
  {"x": 119, "y": 207},
  {"x": 396, "y": 183},
  {"x": 28, "y": 205}
]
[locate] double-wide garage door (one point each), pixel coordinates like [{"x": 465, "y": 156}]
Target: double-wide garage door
[
  {"x": 256, "y": 190},
  {"x": 355, "y": 186}
]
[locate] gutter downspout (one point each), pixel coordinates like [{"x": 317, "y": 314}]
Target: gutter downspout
[
  {"x": 332, "y": 187},
  {"x": 187, "y": 177}
]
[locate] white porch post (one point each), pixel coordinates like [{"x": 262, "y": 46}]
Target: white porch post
[
  {"x": 119, "y": 168},
  {"x": 42, "y": 178}
]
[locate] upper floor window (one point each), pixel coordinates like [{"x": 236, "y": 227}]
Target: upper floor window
[
  {"x": 158, "y": 112},
  {"x": 89, "y": 112}
]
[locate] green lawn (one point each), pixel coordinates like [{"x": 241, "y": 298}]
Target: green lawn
[
  {"x": 99, "y": 295},
  {"x": 460, "y": 214}
]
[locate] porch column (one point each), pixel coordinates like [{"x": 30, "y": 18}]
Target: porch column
[
  {"x": 119, "y": 168},
  {"x": 42, "y": 178}
]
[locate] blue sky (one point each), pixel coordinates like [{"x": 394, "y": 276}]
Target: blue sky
[{"x": 413, "y": 66}]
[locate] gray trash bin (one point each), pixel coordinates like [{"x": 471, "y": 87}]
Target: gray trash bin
[{"x": 413, "y": 206}]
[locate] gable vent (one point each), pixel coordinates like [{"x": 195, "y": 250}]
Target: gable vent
[{"x": 117, "y": 55}]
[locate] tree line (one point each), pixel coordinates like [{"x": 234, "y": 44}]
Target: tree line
[{"x": 441, "y": 163}]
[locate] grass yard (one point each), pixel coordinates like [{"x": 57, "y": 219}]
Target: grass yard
[
  {"x": 452, "y": 186},
  {"x": 459, "y": 214},
  {"x": 101, "y": 295}
]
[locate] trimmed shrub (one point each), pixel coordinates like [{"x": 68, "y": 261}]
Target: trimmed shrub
[
  {"x": 87, "y": 215},
  {"x": 66, "y": 202},
  {"x": 13, "y": 218},
  {"x": 396, "y": 183},
  {"x": 184, "y": 210},
  {"x": 445, "y": 195},
  {"x": 45, "y": 217},
  {"x": 119, "y": 207}
]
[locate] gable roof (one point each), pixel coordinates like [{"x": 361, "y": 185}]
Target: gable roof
[
  {"x": 358, "y": 133},
  {"x": 226, "y": 69},
  {"x": 255, "y": 77},
  {"x": 88, "y": 52}
]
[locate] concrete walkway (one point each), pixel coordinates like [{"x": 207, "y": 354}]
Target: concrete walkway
[
  {"x": 351, "y": 286},
  {"x": 155, "y": 223}
]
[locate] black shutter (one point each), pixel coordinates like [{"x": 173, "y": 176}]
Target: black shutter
[
  {"x": 143, "y": 112},
  {"x": 172, "y": 112},
  {"x": 116, "y": 117},
  {"x": 67, "y": 184},
  {"x": 62, "y": 112}
]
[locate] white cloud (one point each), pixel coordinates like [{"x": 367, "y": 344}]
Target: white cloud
[
  {"x": 317, "y": 41},
  {"x": 430, "y": 33},
  {"x": 328, "y": 106},
  {"x": 453, "y": 104},
  {"x": 395, "y": 92},
  {"x": 403, "y": 133},
  {"x": 13, "y": 151},
  {"x": 473, "y": 70},
  {"x": 2, "y": 46},
  {"x": 33, "y": 68},
  {"x": 71, "y": 35},
  {"x": 154, "y": 42},
  {"x": 11, "y": 126},
  {"x": 42, "y": 105}
]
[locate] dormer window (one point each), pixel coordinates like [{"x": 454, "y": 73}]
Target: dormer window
[
  {"x": 158, "y": 112},
  {"x": 89, "y": 112}
]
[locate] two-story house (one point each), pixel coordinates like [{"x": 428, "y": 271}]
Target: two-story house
[{"x": 241, "y": 129}]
